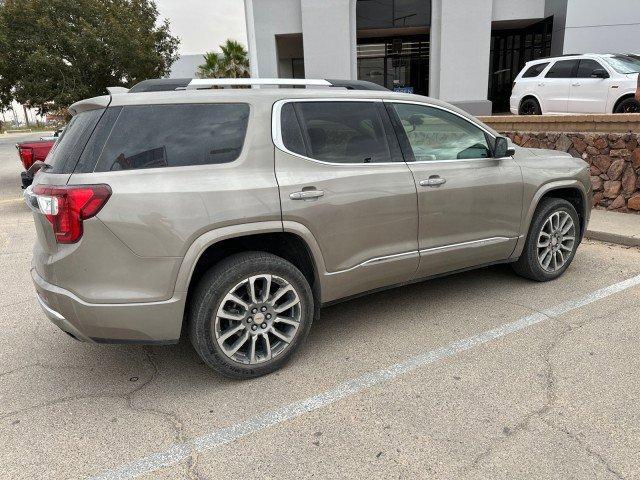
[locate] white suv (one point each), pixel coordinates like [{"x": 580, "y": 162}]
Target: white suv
[{"x": 590, "y": 83}]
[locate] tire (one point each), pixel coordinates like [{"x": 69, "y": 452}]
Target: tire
[
  {"x": 628, "y": 105},
  {"x": 529, "y": 264},
  {"x": 269, "y": 275},
  {"x": 530, "y": 106}
]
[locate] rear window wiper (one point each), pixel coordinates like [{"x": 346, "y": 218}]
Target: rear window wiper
[{"x": 37, "y": 166}]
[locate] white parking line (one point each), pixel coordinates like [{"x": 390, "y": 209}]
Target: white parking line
[{"x": 179, "y": 452}]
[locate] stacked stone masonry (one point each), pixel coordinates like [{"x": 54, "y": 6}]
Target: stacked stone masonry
[{"x": 614, "y": 163}]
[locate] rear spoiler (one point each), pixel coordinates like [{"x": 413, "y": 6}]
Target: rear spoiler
[
  {"x": 90, "y": 104},
  {"x": 117, "y": 90}
]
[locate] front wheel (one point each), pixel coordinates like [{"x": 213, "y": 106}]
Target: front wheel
[
  {"x": 250, "y": 313},
  {"x": 628, "y": 105},
  {"x": 551, "y": 242}
]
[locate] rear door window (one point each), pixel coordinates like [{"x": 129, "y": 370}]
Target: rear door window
[
  {"x": 156, "y": 136},
  {"x": 562, "y": 69},
  {"x": 69, "y": 146},
  {"x": 336, "y": 132}
]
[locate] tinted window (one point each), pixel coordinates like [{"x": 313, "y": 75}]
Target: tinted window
[
  {"x": 534, "y": 70},
  {"x": 393, "y": 14},
  {"x": 586, "y": 68},
  {"x": 94, "y": 146},
  {"x": 341, "y": 132},
  {"x": 152, "y": 136},
  {"x": 435, "y": 134},
  {"x": 67, "y": 149},
  {"x": 562, "y": 69},
  {"x": 291, "y": 133}
]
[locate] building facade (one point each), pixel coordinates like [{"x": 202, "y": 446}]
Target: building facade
[{"x": 466, "y": 52}]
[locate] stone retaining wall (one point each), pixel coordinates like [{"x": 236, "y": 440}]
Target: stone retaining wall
[
  {"x": 614, "y": 161},
  {"x": 619, "y": 123}
]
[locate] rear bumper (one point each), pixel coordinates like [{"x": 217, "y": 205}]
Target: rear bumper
[
  {"x": 148, "y": 323},
  {"x": 514, "y": 102}
]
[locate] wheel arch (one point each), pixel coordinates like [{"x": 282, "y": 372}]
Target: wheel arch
[
  {"x": 528, "y": 96},
  {"x": 622, "y": 98},
  {"x": 294, "y": 243},
  {"x": 571, "y": 190}
]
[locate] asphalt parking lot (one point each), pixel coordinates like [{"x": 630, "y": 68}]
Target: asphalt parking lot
[{"x": 480, "y": 375}]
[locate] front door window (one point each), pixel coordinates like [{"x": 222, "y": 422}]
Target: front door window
[{"x": 436, "y": 134}]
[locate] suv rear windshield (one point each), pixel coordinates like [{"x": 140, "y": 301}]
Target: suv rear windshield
[
  {"x": 67, "y": 149},
  {"x": 535, "y": 70},
  {"x": 152, "y": 136}
]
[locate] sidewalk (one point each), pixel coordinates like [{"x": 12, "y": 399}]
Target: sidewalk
[{"x": 614, "y": 227}]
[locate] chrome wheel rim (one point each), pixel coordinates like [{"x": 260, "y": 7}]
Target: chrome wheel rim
[
  {"x": 257, "y": 319},
  {"x": 556, "y": 241}
]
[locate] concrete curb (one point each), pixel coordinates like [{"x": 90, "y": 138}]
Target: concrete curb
[{"x": 609, "y": 237}]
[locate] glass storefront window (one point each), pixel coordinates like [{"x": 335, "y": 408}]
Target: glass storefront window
[{"x": 376, "y": 14}]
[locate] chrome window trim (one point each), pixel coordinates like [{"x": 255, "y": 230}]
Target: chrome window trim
[
  {"x": 426, "y": 251},
  {"x": 276, "y": 130}
]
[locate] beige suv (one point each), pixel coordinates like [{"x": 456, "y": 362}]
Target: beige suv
[{"x": 237, "y": 213}]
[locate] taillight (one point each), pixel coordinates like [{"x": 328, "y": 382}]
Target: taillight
[
  {"x": 27, "y": 156},
  {"x": 67, "y": 206}
]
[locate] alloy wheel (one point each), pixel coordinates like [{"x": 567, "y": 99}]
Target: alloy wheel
[
  {"x": 556, "y": 241},
  {"x": 257, "y": 319}
]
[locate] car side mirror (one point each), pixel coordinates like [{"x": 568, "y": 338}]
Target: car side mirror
[
  {"x": 599, "y": 73},
  {"x": 502, "y": 149}
]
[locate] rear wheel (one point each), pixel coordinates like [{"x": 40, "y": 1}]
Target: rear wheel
[
  {"x": 551, "y": 242},
  {"x": 250, "y": 313},
  {"x": 530, "y": 106},
  {"x": 628, "y": 105}
]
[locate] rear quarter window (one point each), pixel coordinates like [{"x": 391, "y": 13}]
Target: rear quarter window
[
  {"x": 67, "y": 150},
  {"x": 156, "y": 136},
  {"x": 534, "y": 70}
]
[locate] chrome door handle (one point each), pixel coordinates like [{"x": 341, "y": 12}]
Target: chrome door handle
[
  {"x": 306, "y": 194},
  {"x": 432, "y": 182},
  {"x": 541, "y": 84},
  {"x": 576, "y": 84}
]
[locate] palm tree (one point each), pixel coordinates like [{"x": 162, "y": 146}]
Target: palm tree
[
  {"x": 211, "y": 66},
  {"x": 233, "y": 62}
]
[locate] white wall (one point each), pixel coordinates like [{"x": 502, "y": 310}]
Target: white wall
[
  {"x": 265, "y": 20},
  {"x": 593, "y": 26},
  {"x": 517, "y": 9},
  {"x": 329, "y": 38},
  {"x": 459, "y": 63},
  {"x": 186, "y": 66}
]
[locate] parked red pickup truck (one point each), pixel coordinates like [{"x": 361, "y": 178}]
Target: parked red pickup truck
[{"x": 34, "y": 151}]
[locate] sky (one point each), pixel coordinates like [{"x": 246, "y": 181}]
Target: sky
[{"x": 202, "y": 25}]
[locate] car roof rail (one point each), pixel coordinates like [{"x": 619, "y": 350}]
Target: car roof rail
[{"x": 172, "y": 84}]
